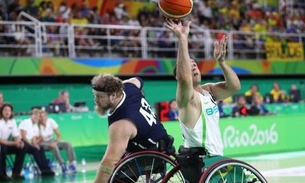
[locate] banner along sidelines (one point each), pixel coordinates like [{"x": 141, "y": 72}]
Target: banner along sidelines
[{"x": 244, "y": 136}]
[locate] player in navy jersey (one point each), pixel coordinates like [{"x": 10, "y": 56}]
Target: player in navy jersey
[{"x": 132, "y": 124}]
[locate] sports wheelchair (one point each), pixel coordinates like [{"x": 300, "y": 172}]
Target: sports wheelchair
[{"x": 166, "y": 166}]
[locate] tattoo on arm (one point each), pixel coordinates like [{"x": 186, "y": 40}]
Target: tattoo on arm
[
  {"x": 192, "y": 102},
  {"x": 185, "y": 102}
]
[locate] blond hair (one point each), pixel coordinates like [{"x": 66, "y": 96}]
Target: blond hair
[{"x": 35, "y": 111}]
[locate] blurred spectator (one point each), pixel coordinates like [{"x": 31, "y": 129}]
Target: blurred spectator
[
  {"x": 15, "y": 7},
  {"x": 258, "y": 107},
  {"x": 229, "y": 100},
  {"x": 120, "y": 11},
  {"x": 80, "y": 31},
  {"x": 294, "y": 94},
  {"x": 42, "y": 9},
  {"x": 54, "y": 41},
  {"x": 64, "y": 10},
  {"x": 3, "y": 14},
  {"x": 3, "y": 32},
  {"x": 247, "y": 16},
  {"x": 94, "y": 17},
  {"x": 278, "y": 95},
  {"x": 30, "y": 136},
  {"x": 19, "y": 36},
  {"x": 165, "y": 43},
  {"x": 173, "y": 113},
  {"x": 133, "y": 21},
  {"x": 143, "y": 14},
  {"x": 1, "y": 98},
  {"x": 47, "y": 127},
  {"x": 49, "y": 16},
  {"x": 8, "y": 128},
  {"x": 31, "y": 9},
  {"x": 85, "y": 10},
  {"x": 64, "y": 98},
  {"x": 222, "y": 113},
  {"x": 241, "y": 108},
  {"x": 253, "y": 91}
]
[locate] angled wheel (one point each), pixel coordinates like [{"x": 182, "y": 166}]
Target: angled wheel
[
  {"x": 174, "y": 176},
  {"x": 231, "y": 171},
  {"x": 144, "y": 167}
]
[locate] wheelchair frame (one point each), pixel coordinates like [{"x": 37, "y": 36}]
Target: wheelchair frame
[
  {"x": 140, "y": 165},
  {"x": 206, "y": 176}
]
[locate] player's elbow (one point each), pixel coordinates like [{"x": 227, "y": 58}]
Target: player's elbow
[
  {"x": 236, "y": 87},
  {"x": 182, "y": 78}
]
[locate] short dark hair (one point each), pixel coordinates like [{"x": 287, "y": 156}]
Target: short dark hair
[
  {"x": 171, "y": 101},
  {"x": 62, "y": 92},
  {"x": 6, "y": 105}
]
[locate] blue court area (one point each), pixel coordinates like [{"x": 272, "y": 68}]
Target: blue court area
[{"x": 286, "y": 167}]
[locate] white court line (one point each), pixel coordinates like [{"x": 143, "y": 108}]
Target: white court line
[
  {"x": 286, "y": 155},
  {"x": 285, "y": 172}
]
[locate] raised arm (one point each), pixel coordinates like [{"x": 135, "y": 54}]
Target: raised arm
[
  {"x": 183, "y": 72},
  {"x": 231, "y": 85}
]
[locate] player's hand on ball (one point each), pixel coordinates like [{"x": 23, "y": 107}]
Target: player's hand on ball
[
  {"x": 220, "y": 49},
  {"x": 178, "y": 29}
]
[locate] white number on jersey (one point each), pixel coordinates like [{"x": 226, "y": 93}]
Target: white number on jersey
[{"x": 147, "y": 113}]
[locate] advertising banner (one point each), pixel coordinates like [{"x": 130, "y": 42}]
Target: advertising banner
[
  {"x": 241, "y": 136},
  {"x": 276, "y": 51},
  {"x": 90, "y": 66},
  {"x": 255, "y": 135}
]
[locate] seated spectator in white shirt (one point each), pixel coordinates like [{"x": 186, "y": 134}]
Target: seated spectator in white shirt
[
  {"x": 47, "y": 128},
  {"x": 30, "y": 135},
  {"x": 8, "y": 128}
]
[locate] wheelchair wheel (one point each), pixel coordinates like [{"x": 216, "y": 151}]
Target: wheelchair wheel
[
  {"x": 171, "y": 176},
  {"x": 231, "y": 171},
  {"x": 143, "y": 167}
]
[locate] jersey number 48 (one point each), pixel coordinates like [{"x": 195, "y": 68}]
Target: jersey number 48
[{"x": 147, "y": 113}]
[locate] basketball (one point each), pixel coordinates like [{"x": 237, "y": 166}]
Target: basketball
[{"x": 175, "y": 9}]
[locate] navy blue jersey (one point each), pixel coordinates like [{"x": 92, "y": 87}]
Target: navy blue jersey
[{"x": 136, "y": 109}]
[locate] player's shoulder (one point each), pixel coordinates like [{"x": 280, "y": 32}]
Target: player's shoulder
[
  {"x": 138, "y": 82},
  {"x": 122, "y": 125},
  {"x": 207, "y": 87}
]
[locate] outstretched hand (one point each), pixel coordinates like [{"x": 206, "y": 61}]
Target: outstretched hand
[
  {"x": 220, "y": 49},
  {"x": 178, "y": 29}
]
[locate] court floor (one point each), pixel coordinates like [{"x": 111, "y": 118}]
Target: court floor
[{"x": 277, "y": 168}]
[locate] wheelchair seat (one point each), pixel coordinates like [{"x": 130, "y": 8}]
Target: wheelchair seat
[{"x": 167, "y": 145}]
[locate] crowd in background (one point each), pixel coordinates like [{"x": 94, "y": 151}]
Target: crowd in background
[
  {"x": 240, "y": 15},
  {"x": 250, "y": 103},
  {"x": 253, "y": 102}
]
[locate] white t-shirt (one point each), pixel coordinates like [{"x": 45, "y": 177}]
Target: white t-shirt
[
  {"x": 8, "y": 128},
  {"x": 47, "y": 131},
  {"x": 30, "y": 128}
]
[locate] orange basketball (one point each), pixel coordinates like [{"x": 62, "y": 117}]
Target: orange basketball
[{"x": 175, "y": 9}]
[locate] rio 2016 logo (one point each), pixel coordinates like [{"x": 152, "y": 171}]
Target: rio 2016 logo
[{"x": 250, "y": 137}]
